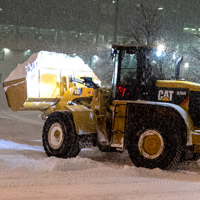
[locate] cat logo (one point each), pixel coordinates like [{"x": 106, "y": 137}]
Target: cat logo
[{"x": 165, "y": 95}]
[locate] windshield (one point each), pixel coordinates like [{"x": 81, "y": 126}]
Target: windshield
[
  {"x": 152, "y": 66},
  {"x": 162, "y": 67},
  {"x": 128, "y": 68}
]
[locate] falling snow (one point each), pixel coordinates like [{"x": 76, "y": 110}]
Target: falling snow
[{"x": 27, "y": 173}]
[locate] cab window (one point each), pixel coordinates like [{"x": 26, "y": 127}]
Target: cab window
[{"x": 128, "y": 68}]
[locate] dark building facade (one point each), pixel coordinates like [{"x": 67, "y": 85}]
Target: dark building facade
[{"x": 86, "y": 28}]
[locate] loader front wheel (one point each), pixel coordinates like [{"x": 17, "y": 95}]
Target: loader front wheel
[
  {"x": 156, "y": 145},
  {"x": 59, "y": 136}
]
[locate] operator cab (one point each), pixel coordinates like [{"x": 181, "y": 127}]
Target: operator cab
[{"x": 136, "y": 70}]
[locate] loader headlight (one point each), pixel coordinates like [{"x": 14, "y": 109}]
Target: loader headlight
[{"x": 160, "y": 50}]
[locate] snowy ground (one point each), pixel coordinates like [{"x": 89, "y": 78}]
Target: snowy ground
[{"x": 26, "y": 172}]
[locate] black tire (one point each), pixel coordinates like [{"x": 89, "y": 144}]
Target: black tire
[
  {"x": 105, "y": 148},
  {"x": 195, "y": 157},
  {"x": 66, "y": 143},
  {"x": 189, "y": 154},
  {"x": 156, "y": 145}
]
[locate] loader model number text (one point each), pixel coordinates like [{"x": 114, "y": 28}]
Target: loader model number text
[
  {"x": 181, "y": 93},
  {"x": 165, "y": 95}
]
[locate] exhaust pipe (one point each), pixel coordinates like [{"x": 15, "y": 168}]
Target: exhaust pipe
[{"x": 177, "y": 69}]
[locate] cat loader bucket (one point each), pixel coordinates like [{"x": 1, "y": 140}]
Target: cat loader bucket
[{"x": 44, "y": 78}]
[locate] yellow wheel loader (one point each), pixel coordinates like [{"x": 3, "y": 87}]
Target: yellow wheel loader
[{"x": 157, "y": 121}]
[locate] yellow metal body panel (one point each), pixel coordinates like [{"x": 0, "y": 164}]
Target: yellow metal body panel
[
  {"x": 195, "y": 138},
  {"x": 185, "y": 104},
  {"x": 120, "y": 110},
  {"x": 119, "y": 124},
  {"x": 83, "y": 119},
  {"x": 99, "y": 105},
  {"x": 71, "y": 94},
  {"x": 16, "y": 94},
  {"x": 118, "y": 140},
  {"x": 178, "y": 84},
  {"x": 197, "y": 148},
  {"x": 100, "y": 101},
  {"x": 41, "y": 104},
  {"x": 119, "y": 120},
  {"x": 49, "y": 86}
]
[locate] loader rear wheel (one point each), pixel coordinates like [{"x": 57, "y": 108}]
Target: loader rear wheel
[
  {"x": 59, "y": 136},
  {"x": 157, "y": 145}
]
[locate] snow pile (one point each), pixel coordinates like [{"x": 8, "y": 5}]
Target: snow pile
[
  {"x": 52, "y": 60},
  {"x": 3, "y": 101},
  {"x": 49, "y": 164},
  {"x": 62, "y": 64},
  {"x": 12, "y": 145},
  {"x": 47, "y": 60},
  {"x": 27, "y": 173}
]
